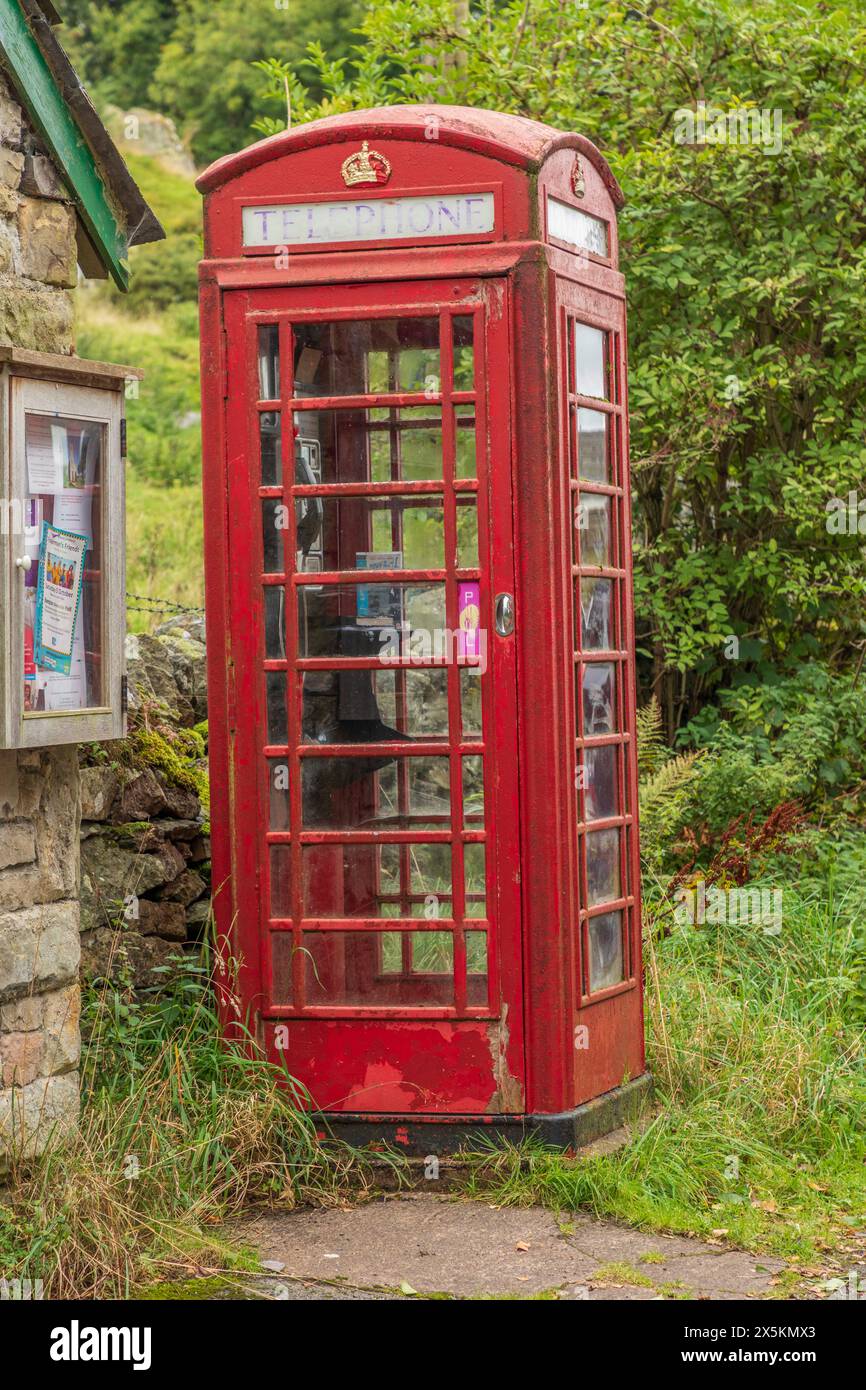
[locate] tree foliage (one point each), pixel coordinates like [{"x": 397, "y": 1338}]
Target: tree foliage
[{"x": 745, "y": 271}]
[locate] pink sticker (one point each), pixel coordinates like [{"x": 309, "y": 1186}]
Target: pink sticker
[{"x": 469, "y": 617}]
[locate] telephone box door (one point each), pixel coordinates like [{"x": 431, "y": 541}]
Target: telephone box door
[{"x": 373, "y": 730}]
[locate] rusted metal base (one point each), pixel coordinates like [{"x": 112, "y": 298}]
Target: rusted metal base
[{"x": 573, "y": 1129}]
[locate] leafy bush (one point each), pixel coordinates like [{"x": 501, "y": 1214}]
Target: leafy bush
[
  {"x": 798, "y": 740},
  {"x": 816, "y": 714}
]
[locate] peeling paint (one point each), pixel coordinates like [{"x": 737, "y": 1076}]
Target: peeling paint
[
  {"x": 508, "y": 1096},
  {"x": 494, "y": 293}
]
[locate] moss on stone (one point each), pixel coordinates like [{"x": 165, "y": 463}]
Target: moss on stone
[
  {"x": 129, "y": 831},
  {"x": 152, "y": 749},
  {"x": 193, "y": 1291}
]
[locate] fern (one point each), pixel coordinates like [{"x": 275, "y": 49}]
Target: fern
[
  {"x": 663, "y": 797},
  {"x": 659, "y": 789},
  {"x": 652, "y": 751}
]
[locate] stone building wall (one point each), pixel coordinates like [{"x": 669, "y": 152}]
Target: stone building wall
[{"x": 39, "y": 791}]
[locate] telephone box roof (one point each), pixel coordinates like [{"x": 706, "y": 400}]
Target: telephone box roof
[{"x": 513, "y": 139}]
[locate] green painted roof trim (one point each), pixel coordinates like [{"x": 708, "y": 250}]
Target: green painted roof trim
[{"x": 51, "y": 117}]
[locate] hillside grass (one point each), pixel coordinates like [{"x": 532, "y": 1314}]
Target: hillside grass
[
  {"x": 164, "y": 549},
  {"x": 155, "y": 329}
]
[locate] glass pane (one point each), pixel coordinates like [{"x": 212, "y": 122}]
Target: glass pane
[
  {"x": 278, "y": 783},
  {"x": 370, "y": 792},
  {"x": 433, "y": 953},
  {"x": 467, "y": 533},
  {"x": 374, "y": 706},
  {"x": 601, "y": 782},
  {"x": 396, "y": 953},
  {"x": 602, "y": 866},
  {"x": 473, "y": 793},
  {"x": 405, "y": 445},
  {"x": 596, "y": 613},
  {"x": 269, "y": 442},
  {"x": 470, "y": 700},
  {"x": 376, "y": 533},
  {"x": 269, "y": 362},
  {"x": 464, "y": 355},
  {"x": 465, "y": 442},
  {"x": 599, "y": 696},
  {"x": 377, "y": 881},
  {"x": 476, "y": 882},
  {"x": 374, "y": 620},
  {"x": 281, "y": 880},
  {"x": 605, "y": 951},
  {"x": 62, "y": 536},
  {"x": 282, "y": 955},
  {"x": 378, "y": 445},
  {"x": 415, "y": 702},
  {"x": 592, "y": 446},
  {"x": 413, "y": 881},
  {"x": 275, "y": 622},
  {"x": 353, "y": 969},
  {"x": 593, "y": 522},
  {"x": 476, "y": 969},
  {"x": 274, "y": 521},
  {"x": 589, "y": 357},
  {"x": 372, "y": 355},
  {"x": 278, "y": 722}
]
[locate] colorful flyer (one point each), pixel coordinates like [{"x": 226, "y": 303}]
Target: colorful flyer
[
  {"x": 58, "y": 596},
  {"x": 379, "y": 605},
  {"x": 29, "y": 623}
]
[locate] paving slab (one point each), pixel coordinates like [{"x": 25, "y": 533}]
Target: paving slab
[{"x": 418, "y": 1243}]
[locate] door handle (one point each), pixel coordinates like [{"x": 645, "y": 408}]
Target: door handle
[{"x": 504, "y": 615}]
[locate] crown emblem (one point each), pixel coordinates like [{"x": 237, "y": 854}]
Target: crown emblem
[
  {"x": 578, "y": 183},
  {"x": 367, "y": 166}
]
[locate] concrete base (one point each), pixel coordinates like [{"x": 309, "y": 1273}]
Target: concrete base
[{"x": 572, "y": 1129}]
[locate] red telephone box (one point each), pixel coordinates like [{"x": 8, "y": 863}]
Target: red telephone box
[{"x": 425, "y": 841}]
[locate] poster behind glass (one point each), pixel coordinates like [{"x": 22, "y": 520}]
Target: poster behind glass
[{"x": 63, "y": 540}]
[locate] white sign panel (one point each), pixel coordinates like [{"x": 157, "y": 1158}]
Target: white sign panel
[
  {"x": 577, "y": 228},
  {"x": 370, "y": 219}
]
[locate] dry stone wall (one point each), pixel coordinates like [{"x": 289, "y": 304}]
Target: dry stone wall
[{"x": 145, "y": 849}]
